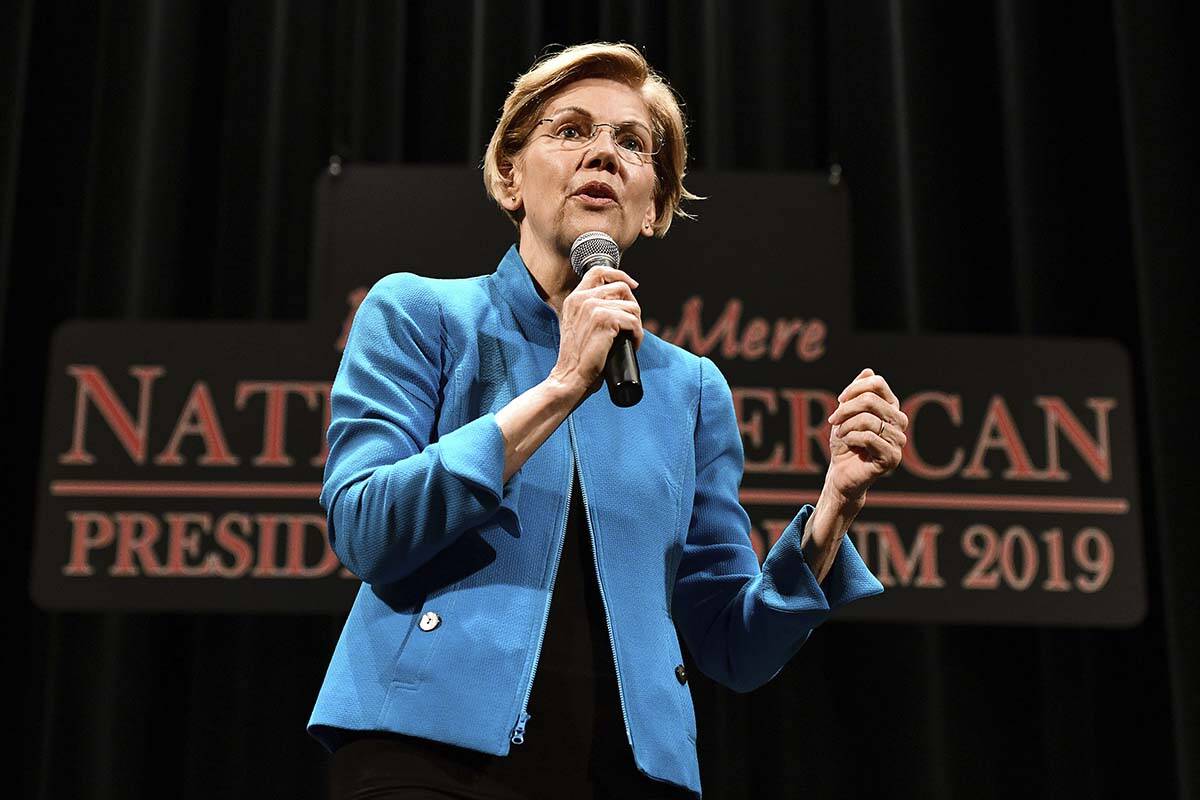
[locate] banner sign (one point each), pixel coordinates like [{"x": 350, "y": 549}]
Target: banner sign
[
  {"x": 789, "y": 248},
  {"x": 1016, "y": 499},
  {"x": 181, "y": 467},
  {"x": 182, "y": 461}
]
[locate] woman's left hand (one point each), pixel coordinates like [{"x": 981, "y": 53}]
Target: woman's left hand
[{"x": 866, "y": 438}]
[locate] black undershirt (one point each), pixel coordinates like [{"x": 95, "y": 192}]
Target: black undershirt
[{"x": 575, "y": 740}]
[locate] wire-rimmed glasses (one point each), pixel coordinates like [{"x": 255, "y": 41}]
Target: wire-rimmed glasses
[{"x": 574, "y": 129}]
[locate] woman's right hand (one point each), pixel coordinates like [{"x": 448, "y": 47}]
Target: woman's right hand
[{"x": 598, "y": 309}]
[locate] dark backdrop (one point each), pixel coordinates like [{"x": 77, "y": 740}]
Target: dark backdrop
[{"x": 1015, "y": 167}]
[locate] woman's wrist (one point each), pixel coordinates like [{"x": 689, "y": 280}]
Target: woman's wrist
[
  {"x": 832, "y": 515},
  {"x": 529, "y": 419},
  {"x": 568, "y": 384},
  {"x": 825, "y": 528},
  {"x": 564, "y": 387}
]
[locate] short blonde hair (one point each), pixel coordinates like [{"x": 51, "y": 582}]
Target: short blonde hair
[{"x": 620, "y": 62}]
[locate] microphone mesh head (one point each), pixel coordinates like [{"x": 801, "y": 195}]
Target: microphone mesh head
[{"x": 594, "y": 248}]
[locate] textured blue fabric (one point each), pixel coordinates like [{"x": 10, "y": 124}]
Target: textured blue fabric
[{"x": 418, "y": 509}]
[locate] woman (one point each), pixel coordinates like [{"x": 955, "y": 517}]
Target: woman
[{"x": 515, "y": 634}]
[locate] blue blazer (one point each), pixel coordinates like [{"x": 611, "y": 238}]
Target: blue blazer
[{"x": 457, "y": 566}]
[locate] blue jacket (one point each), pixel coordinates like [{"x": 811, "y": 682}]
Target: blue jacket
[{"x": 457, "y": 567}]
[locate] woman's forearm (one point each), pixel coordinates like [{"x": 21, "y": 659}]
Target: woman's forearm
[
  {"x": 529, "y": 419},
  {"x": 824, "y": 530}
]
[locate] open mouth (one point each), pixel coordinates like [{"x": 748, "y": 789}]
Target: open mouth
[{"x": 596, "y": 193}]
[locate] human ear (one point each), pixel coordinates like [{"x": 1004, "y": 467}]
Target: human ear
[
  {"x": 648, "y": 221},
  {"x": 511, "y": 198}
]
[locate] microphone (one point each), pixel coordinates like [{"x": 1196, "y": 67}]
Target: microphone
[{"x": 596, "y": 248}]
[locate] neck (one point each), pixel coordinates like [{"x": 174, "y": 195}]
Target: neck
[{"x": 551, "y": 270}]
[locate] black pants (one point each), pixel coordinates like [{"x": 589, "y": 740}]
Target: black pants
[{"x": 379, "y": 766}]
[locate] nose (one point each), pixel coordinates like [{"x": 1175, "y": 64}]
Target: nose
[{"x": 601, "y": 152}]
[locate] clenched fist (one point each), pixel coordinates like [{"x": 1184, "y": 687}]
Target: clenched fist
[{"x": 867, "y": 436}]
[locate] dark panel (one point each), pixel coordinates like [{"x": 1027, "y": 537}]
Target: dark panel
[{"x": 1049, "y": 150}]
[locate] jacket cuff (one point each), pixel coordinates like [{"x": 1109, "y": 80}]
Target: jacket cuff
[
  {"x": 793, "y": 585},
  {"x": 474, "y": 454},
  {"x": 849, "y": 579},
  {"x": 789, "y": 585}
]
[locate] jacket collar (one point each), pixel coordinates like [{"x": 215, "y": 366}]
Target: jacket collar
[{"x": 535, "y": 316}]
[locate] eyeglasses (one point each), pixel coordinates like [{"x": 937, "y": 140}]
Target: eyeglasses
[{"x": 574, "y": 129}]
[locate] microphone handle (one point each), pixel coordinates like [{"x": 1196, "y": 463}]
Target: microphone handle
[{"x": 621, "y": 372}]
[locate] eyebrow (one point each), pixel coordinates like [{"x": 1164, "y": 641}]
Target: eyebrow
[{"x": 590, "y": 115}]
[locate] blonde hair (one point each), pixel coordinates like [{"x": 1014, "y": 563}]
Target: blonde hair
[{"x": 620, "y": 62}]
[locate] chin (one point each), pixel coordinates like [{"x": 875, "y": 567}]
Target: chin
[{"x": 578, "y": 227}]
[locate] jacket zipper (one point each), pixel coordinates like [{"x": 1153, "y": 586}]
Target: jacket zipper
[
  {"x": 612, "y": 642},
  {"x": 518, "y": 732}
]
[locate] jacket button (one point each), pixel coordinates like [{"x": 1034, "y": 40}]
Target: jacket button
[
  {"x": 429, "y": 621},
  {"x": 681, "y": 674}
]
